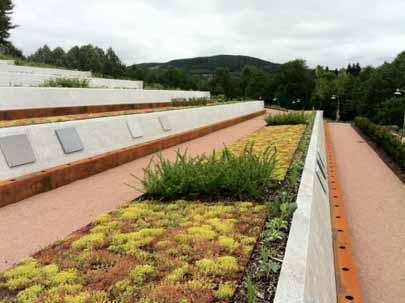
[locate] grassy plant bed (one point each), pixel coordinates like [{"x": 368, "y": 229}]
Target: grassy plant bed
[
  {"x": 284, "y": 138},
  {"x": 259, "y": 283},
  {"x": 175, "y": 250},
  {"x": 289, "y": 118}
]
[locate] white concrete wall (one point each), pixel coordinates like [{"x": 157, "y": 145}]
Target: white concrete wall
[
  {"x": 308, "y": 274},
  {"x": 39, "y": 97},
  {"x": 115, "y": 83},
  {"x": 111, "y": 133},
  {"x": 34, "y": 71},
  {"x": 25, "y": 76},
  {"x": 7, "y": 62},
  {"x": 27, "y": 80}
]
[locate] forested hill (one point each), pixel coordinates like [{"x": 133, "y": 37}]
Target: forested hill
[{"x": 208, "y": 65}]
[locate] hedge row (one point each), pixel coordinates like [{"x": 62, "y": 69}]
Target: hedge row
[{"x": 384, "y": 138}]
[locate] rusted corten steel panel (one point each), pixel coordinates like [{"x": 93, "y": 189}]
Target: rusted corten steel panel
[
  {"x": 348, "y": 285},
  {"x": 17, "y": 114}
]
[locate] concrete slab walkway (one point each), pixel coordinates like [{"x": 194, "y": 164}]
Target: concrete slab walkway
[
  {"x": 34, "y": 223},
  {"x": 375, "y": 207}
]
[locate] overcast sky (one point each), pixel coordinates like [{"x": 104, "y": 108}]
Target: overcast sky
[{"x": 323, "y": 32}]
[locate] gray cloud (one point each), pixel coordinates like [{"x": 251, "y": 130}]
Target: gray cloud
[{"x": 324, "y": 32}]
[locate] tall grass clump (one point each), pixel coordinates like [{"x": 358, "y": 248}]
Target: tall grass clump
[
  {"x": 225, "y": 175},
  {"x": 66, "y": 82},
  {"x": 290, "y": 118}
]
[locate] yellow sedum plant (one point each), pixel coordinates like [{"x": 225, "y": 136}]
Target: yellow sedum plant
[
  {"x": 149, "y": 251},
  {"x": 285, "y": 139}
]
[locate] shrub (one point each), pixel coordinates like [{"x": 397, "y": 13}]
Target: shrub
[
  {"x": 240, "y": 177},
  {"x": 384, "y": 138},
  {"x": 66, "y": 82},
  {"x": 190, "y": 102},
  {"x": 291, "y": 118}
]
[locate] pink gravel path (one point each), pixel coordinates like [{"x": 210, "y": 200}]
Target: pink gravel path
[
  {"x": 375, "y": 207},
  {"x": 34, "y": 223}
]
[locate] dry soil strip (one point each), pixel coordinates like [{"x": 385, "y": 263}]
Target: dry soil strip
[
  {"x": 34, "y": 223},
  {"x": 375, "y": 208}
]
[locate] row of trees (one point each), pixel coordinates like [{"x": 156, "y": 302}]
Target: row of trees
[{"x": 361, "y": 91}]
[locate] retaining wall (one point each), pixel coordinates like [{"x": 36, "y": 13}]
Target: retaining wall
[
  {"x": 27, "y": 76},
  {"x": 30, "y": 70},
  {"x": 42, "y": 97},
  {"x": 115, "y": 83},
  {"x": 102, "y": 135},
  {"x": 29, "y": 80},
  {"x": 308, "y": 273}
]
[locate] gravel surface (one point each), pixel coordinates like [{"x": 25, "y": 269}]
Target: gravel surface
[{"x": 375, "y": 207}]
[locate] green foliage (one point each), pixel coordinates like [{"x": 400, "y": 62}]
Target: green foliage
[
  {"x": 384, "y": 138},
  {"x": 142, "y": 273},
  {"x": 393, "y": 111},
  {"x": 267, "y": 264},
  {"x": 225, "y": 291},
  {"x": 251, "y": 291},
  {"x": 221, "y": 266},
  {"x": 6, "y": 9},
  {"x": 190, "y": 102},
  {"x": 293, "y": 81},
  {"x": 291, "y": 118},
  {"x": 245, "y": 176},
  {"x": 66, "y": 82},
  {"x": 89, "y": 241}
]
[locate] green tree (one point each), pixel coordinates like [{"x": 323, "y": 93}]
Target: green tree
[
  {"x": 43, "y": 55},
  {"x": 293, "y": 81},
  {"x": 112, "y": 64},
  {"x": 6, "y": 9}
]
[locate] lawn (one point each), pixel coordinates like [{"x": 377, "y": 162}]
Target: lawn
[{"x": 178, "y": 251}]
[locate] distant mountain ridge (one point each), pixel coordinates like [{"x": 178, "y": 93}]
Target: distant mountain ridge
[{"x": 208, "y": 65}]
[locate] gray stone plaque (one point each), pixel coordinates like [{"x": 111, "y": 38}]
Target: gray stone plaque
[
  {"x": 165, "y": 123},
  {"x": 17, "y": 150},
  {"x": 69, "y": 139},
  {"x": 135, "y": 128}
]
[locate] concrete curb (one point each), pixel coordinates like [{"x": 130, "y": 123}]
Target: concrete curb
[
  {"x": 308, "y": 273},
  {"x": 43, "y": 97}
]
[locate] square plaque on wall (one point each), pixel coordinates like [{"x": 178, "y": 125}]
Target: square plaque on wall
[
  {"x": 165, "y": 123},
  {"x": 69, "y": 139},
  {"x": 135, "y": 128},
  {"x": 17, "y": 150}
]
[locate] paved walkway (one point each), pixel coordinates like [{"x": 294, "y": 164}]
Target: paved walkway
[
  {"x": 375, "y": 207},
  {"x": 36, "y": 222}
]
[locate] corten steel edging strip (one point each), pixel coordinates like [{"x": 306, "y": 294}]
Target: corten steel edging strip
[
  {"x": 17, "y": 189},
  {"x": 17, "y": 114},
  {"x": 348, "y": 285}
]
